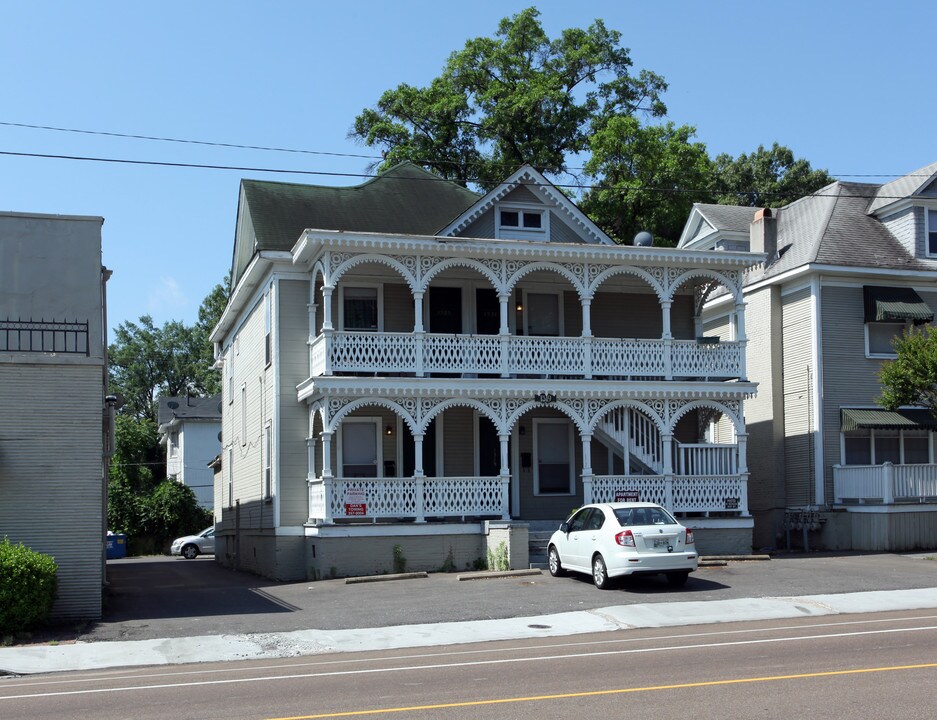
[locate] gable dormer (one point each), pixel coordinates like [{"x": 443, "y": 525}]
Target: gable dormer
[
  {"x": 907, "y": 207},
  {"x": 527, "y": 206}
]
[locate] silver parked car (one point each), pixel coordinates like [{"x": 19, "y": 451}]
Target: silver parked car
[
  {"x": 191, "y": 546},
  {"x": 610, "y": 540}
]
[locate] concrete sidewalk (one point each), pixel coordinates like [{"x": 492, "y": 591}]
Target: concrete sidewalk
[{"x": 248, "y": 646}]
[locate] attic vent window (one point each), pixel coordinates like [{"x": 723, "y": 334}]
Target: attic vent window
[{"x": 521, "y": 219}]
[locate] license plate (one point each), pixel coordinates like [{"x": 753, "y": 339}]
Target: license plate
[{"x": 661, "y": 542}]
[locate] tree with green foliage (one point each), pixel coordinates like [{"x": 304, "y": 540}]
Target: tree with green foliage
[
  {"x": 765, "y": 178},
  {"x": 148, "y": 362},
  {"x": 519, "y": 97},
  {"x": 911, "y": 379},
  {"x": 646, "y": 178}
]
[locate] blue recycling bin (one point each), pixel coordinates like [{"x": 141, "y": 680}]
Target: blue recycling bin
[{"x": 116, "y": 546}]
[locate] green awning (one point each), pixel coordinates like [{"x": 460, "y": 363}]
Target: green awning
[
  {"x": 895, "y": 304},
  {"x": 877, "y": 419}
]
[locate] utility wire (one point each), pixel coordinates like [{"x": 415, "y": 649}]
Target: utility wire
[
  {"x": 243, "y": 168},
  {"x": 318, "y": 152}
]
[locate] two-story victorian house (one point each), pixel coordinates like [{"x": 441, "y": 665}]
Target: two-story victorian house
[
  {"x": 56, "y": 426},
  {"x": 190, "y": 429},
  {"x": 414, "y": 373},
  {"x": 848, "y": 269}
]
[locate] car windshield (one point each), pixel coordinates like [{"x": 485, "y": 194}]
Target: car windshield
[{"x": 644, "y": 516}]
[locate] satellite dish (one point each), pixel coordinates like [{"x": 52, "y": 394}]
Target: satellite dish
[
  {"x": 219, "y": 436},
  {"x": 172, "y": 404},
  {"x": 644, "y": 239}
]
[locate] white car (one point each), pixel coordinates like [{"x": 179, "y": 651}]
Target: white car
[
  {"x": 611, "y": 540},
  {"x": 191, "y": 546}
]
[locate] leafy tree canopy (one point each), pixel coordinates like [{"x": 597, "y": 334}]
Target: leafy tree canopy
[
  {"x": 519, "y": 97},
  {"x": 147, "y": 361},
  {"x": 522, "y": 97},
  {"x": 765, "y": 178},
  {"x": 911, "y": 379}
]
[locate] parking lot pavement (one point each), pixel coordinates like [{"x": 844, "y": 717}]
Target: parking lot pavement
[{"x": 162, "y": 597}]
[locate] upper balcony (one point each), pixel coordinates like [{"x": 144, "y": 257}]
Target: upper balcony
[{"x": 421, "y": 354}]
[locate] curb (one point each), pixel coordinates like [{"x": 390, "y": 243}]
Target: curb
[
  {"x": 492, "y": 574},
  {"x": 385, "y": 578}
]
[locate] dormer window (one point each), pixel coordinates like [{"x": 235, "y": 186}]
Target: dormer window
[{"x": 519, "y": 223}]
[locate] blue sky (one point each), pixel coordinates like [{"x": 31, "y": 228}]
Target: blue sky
[{"x": 844, "y": 84}]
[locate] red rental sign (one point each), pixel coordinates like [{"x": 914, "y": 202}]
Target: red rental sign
[{"x": 356, "y": 502}]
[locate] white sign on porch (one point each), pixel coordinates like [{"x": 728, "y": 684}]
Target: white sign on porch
[
  {"x": 626, "y": 496},
  {"x": 356, "y": 501}
]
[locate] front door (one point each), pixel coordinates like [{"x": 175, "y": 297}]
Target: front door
[{"x": 360, "y": 451}]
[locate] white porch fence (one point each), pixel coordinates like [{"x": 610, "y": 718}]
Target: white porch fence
[
  {"x": 679, "y": 493},
  {"x": 421, "y": 353},
  {"x": 884, "y": 484},
  {"x": 408, "y": 498}
]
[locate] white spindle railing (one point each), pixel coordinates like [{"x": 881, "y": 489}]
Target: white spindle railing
[
  {"x": 713, "y": 493},
  {"x": 372, "y": 352},
  {"x": 715, "y": 361},
  {"x": 884, "y": 484},
  {"x": 706, "y": 459},
  {"x": 407, "y": 498}
]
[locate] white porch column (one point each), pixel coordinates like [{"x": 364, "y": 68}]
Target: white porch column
[
  {"x": 587, "y": 475},
  {"x": 327, "y": 307},
  {"x": 505, "y": 477},
  {"x": 668, "y": 476},
  {"x": 504, "y": 331},
  {"x": 418, "y": 332},
  {"x": 888, "y": 491},
  {"x": 311, "y": 313},
  {"x": 667, "y": 338},
  {"x": 418, "y": 478},
  {"x": 742, "y": 441},
  {"x": 742, "y": 338},
  {"x": 327, "y": 487},
  {"x": 311, "y": 457},
  {"x": 587, "y": 336}
]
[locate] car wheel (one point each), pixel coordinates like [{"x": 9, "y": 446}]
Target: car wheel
[
  {"x": 556, "y": 567},
  {"x": 677, "y": 579},
  {"x": 190, "y": 552},
  {"x": 600, "y": 573}
]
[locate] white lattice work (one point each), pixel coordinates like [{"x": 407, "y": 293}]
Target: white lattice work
[
  {"x": 562, "y": 356},
  {"x": 627, "y": 357},
  {"x": 454, "y": 496},
  {"x": 717, "y": 360},
  {"x": 407, "y": 498},
  {"x": 715, "y": 493},
  {"x": 355, "y": 351},
  {"x": 373, "y": 352},
  {"x": 464, "y": 353}
]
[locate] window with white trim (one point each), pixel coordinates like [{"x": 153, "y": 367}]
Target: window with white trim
[
  {"x": 268, "y": 464},
  {"x": 876, "y": 447},
  {"x": 521, "y": 223},
  {"x": 880, "y": 338},
  {"x": 930, "y": 231},
  {"x": 268, "y": 321}
]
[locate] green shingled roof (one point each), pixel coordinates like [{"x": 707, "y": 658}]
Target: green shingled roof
[{"x": 405, "y": 199}]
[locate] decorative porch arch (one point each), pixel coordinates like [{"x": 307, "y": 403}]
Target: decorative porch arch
[
  {"x": 462, "y": 402},
  {"x": 730, "y": 410},
  {"x": 347, "y": 263},
  {"x": 654, "y": 283},
  {"x": 558, "y": 268},
  {"x": 522, "y": 409},
  {"x": 642, "y": 407},
  {"x": 394, "y": 407},
  {"x": 730, "y": 282},
  {"x": 459, "y": 262}
]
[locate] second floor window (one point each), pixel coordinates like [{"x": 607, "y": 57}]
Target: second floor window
[
  {"x": 932, "y": 232},
  {"x": 881, "y": 338},
  {"x": 360, "y": 308}
]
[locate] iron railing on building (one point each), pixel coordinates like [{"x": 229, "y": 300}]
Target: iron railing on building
[{"x": 44, "y": 336}]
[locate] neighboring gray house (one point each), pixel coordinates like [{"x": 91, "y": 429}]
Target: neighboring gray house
[
  {"x": 190, "y": 428},
  {"x": 413, "y": 369},
  {"x": 54, "y": 426},
  {"x": 848, "y": 269}
]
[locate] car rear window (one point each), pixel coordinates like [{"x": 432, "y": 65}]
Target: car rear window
[{"x": 644, "y": 516}]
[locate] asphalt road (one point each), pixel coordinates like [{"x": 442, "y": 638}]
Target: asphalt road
[
  {"x": 161, "y": 597},
  {"x": 860, "y": 666}
]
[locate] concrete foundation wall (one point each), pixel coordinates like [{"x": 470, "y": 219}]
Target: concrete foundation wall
[{"x": 723, "y": 541}]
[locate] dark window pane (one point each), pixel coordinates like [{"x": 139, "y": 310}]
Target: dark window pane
[
  {"x": 916, "y": 450},
  {"x": 858, "y": 448},
  {"x": 533, "y": 220},
  {"x": 360, "y": 308},
  {"x": 886, "y": 448},
  {"x": 510, "y": 218}
]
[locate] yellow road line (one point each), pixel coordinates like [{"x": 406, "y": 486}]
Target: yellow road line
[{"x": 620, "y": 691}]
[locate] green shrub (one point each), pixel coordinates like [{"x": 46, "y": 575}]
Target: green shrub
[
  {"x": 27, "y": 587},
  {"x": 498, "y": 558},
  {"x": 400, "y": 562}
]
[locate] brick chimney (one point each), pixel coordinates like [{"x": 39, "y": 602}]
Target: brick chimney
[{"x": 764, "y": 233}]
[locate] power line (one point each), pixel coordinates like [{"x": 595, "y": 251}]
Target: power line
[
  {"x": 189, "y": 142},
  {"x": 325, "y": 153},
  {"x": 244, "y": 168}
]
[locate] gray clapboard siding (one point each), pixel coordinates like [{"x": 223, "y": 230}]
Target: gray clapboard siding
[
  {"x": 50, "y": 469},
  {"x": 798, "y": 370}
]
